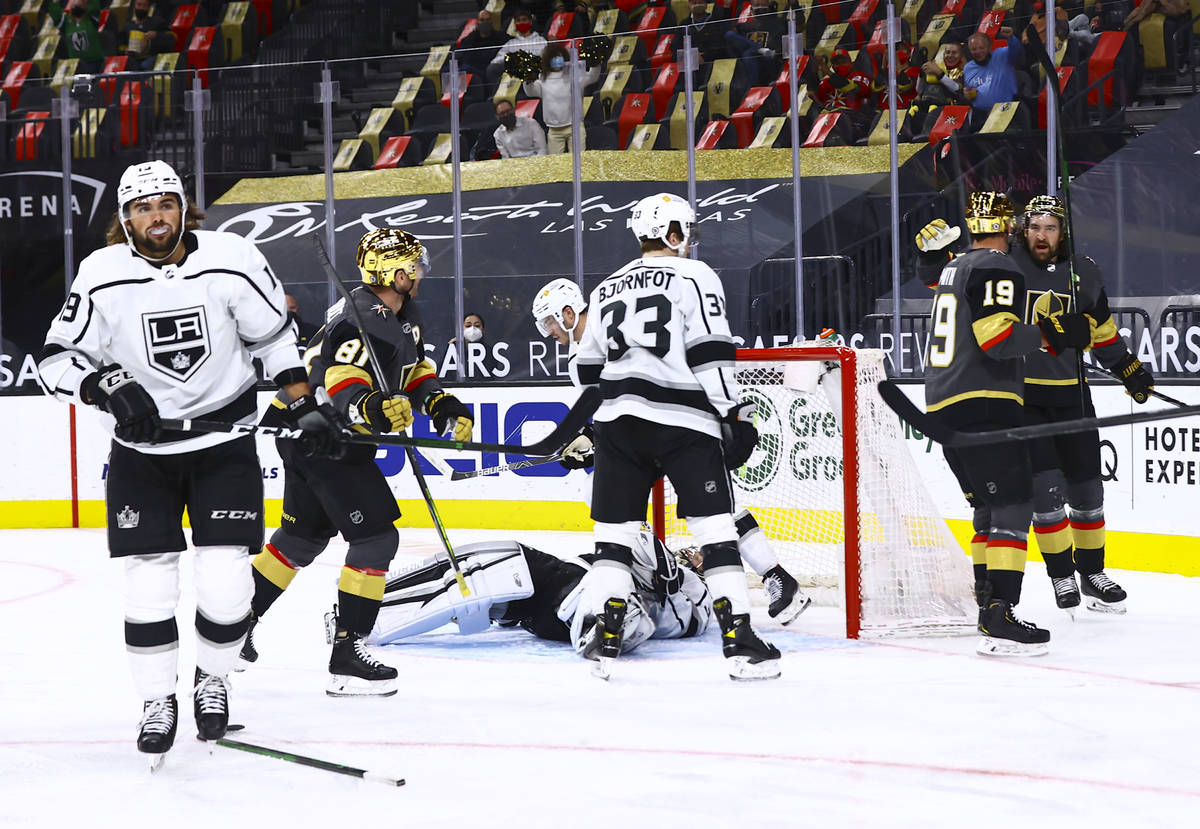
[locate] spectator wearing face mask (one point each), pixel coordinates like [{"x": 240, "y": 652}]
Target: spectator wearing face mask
[
  {"x": 554, "y": 88},
  {"x": 144, "y": 36},
  {"x": 80, "y": 27},
  {"x": 517, "y": 137},
  {"x": 708, "y": 30},
  {"x": 526, "y": 40},
  {"x": 480, "y": 46}
]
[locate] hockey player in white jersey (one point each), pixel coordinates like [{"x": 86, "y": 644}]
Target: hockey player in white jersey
[
  {"x": 164, "y": 322},
  {"x": 514, "y": 584},
  {"x": 560, "y": 311},
  {"x": 659, "y": 348}
]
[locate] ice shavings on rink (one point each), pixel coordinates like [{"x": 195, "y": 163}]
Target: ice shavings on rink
[{"x": 504, "y": 729}]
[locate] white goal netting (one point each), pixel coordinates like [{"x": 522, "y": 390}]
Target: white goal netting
[{"x": 902, "y": 572}]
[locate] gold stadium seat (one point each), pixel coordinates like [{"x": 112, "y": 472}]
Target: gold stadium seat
[
  {"x": 937, "y": 31},
  {"x": 63, "y": 69},
  {"x": 43, "y": 55},
  {"x": 835, "y": 35},
  {"x": 441, "y": 150},
  {"x": 772, "y": 132},
  {"x": 353, "y": 154},
  {"x": 239, "y": 27},
  {"x": 648, "y": 137},
  {"x": 381, "y": 124},
  {"x": 435, "y": 64},
  {"x": 412, "y": 94},
  {"x": 677, "y": 118}
]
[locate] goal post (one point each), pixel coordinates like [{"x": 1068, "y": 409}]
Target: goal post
[{"x": 839, "y": 497}]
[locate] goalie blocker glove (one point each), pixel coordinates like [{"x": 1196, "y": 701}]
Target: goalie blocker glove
[
  {"x": 1137, "y": 381},
  {"x": 738, "y": 436},
  {"x": 382, "y": 413},
  {"x": 449, "y": 414},
  {"x": 114, "y": 390},
  {"x": 1064, "y": 331},
  {"x": 321, "y": 424},
  {"x": 580, "y": 453}
]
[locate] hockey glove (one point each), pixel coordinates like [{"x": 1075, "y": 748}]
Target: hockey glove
[
  {"x": 1065, "y": 331},
  {"x": 936, "y": 236},
  {"x": 738, "y": 436},
  {"x": 381, "y": 413},
  {"x": 580, "y": 453},
  {"x": 321, "y": 424},
  {"x": 1137, "y": 380},
  {"x": 691, "y": 558},
  {"x": 114, "y": 390},
  {"x": 449, "y": 414},
  {"x": 668, "y": 577}
]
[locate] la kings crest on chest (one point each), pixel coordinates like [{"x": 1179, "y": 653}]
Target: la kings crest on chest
[{"x": 177, "y": 341}]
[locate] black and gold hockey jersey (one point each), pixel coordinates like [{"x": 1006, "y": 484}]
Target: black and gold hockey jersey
[
  {"x": 977, "y": 337},
  {"x": 1053, "y": 380},
  {"x": 339, "y": 361}
]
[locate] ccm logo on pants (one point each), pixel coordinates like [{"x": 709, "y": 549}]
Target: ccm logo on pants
[{"x": 234, "y": 513}]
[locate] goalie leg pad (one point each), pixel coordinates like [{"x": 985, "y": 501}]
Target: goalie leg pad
[
  {"x": 423, "y": 596},
  {"x": 151, "y": 633}
]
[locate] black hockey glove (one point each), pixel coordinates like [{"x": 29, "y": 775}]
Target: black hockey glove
[
  {"x": 738, "y": 436},
  {"x": 1137, "y": 380},
  {"x": 323, "y": 427},
  {"x": 381, "y": 413},
  {"x": 450, "y": 415},
  {"x": 114, "y": 390},
  {"x": 580, "y": 453},
  {"x": 1066, "y": 331}
]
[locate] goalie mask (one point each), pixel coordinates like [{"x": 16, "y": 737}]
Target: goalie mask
[
  {"x": 988, "y": 213},
  {"x": 653, "y": 217},
  {"x": 140, "y": 181},
  {"x": 550, "y": 302},
  {"x": 384, "y": 251}
]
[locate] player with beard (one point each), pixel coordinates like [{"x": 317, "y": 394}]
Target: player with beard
[
  {"x": 165, "y": 322},
  {"x": 324, "y": 496},
  {"x": 1068, "y": 512}
]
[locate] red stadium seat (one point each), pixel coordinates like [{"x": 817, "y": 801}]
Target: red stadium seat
[
  {"x": 131, "y": 103},
  {"x": 950, "y": 119},
  {"x": 991, "y": 22},
  {"x": 467, "y": 28},
  {"x": 200, "y": 50},
  {"x": 712, "y": 135},
  {"x": 647, "y": 25},
  {"x": 781, "y": 83},
  {"x": 112, "y": 66},
  {"x": 822, "y": 129},
  {"x": 466, "y": 82},
  {"x": 635, "y": 110},
  {"x": 182, "y": 23},
  {"x": 266, "y": 16},
  {"x": 560, "y": 25},
  {"x": 31, "y": 131},
  {"x": 392, "y": 152},
  {"x": 664, "y": 86},
  {"x": 528, "y": 108},
  {"x": 17, "y": 73},
  {"x": 1103, "y": 59},
  {"x": 664, "y": 51},
  {"x": 1064, "y": 77},
  {"x": 953, "y": 7},
  {"x": 743, "y": 116},
  {"x": 864, "y": 17}
]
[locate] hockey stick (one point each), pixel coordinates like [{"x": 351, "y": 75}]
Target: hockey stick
[
  {"x": 928, "y": 425},
  {"x": 496, "y": 470},
  {"x": 1165, "y": 398},
  {"x": 380, "y": 377},
  {"x": 575, "y": 419},
  {"x": 312, "y": 762}
]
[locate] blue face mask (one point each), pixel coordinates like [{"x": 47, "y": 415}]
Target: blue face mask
[{"x": 556, "y": 63}]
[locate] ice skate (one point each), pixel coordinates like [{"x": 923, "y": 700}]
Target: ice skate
[
  {"x": 1066, "y": 594},
  {"x": 354, "y": 672},
  {"x": 748, "y": 657},
  {"x": 248, "y": 653},
  {"x": 1103, "y": 595},
  {"x": 211, "y": 705},
  {"x": 788, "y": 601},
  {"x": 602, "y": 642},
  {"x": 1006, "y": 635},
  {"x": 156, "y": 731}
]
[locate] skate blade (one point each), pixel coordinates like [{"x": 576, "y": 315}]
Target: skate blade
[
  {"x": 989, "y": 646},
  {"x": 156, "y": 761},
  {"x": 1099, "y": 606},
  {"x": 352, "y": 686},
  {"x": 793, "y": 611},
  {"x": 602, "y": 668},
  {"x": 741, "y": 669},
  {"x": 1070, "y": 611}
]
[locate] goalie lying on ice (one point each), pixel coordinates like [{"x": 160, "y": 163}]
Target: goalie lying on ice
[{"x": 514, "y": 584}]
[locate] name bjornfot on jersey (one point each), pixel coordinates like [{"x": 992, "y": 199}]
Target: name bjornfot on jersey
[{"x": 640, "y": 278}]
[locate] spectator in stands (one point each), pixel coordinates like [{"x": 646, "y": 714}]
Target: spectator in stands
[
  {"x": 480, "y": 46},
  {"x": 144, "y": 36},
  {"x": 526, "y": 39},
  {"x": 81, "y": 32},
  {"x": 517, "y": 137},
  {"x": 554, "y": 88},
  {"x": 472, "y": 329},
  {"x": 708, "y": 30},
  {"x": 1145, "y": 8},
  {"x": 907, "y": 74},
  {"x": 843, "y": 88},
  {"x": 992, "y": 74},
  {"x": 940, "y": 84},
  {"x": 585, "y": 16},
  {"x": 759, "y": 41}
]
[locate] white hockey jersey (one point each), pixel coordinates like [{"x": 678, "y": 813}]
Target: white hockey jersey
[
  {"x": 187, "y": 332},
  {"x": 658, "y": 344}
]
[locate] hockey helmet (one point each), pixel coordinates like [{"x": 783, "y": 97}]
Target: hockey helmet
[
  {"x": 652, "y": 218},
  {"x": 552, "y": 299},
  {"x": 989, "y": 212},
  {"x": 148, "y": 179},
  {"x": 385, "y": 250},
  {"x": 1048, "y": 205}
]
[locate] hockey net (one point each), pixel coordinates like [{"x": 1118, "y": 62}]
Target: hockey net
[{"x": 838, "y": 495}]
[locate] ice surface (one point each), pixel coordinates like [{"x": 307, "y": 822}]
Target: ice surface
[{"x": 502, "y": 729}]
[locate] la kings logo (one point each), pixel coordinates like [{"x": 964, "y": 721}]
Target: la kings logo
[{"x": 177, "y": 341}]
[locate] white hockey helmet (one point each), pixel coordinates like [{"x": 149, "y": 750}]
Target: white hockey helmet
[
  {"x": 552, "y": 299},
  {"x": 148, "y": 179},
  {"x": 652, "y": 218}
]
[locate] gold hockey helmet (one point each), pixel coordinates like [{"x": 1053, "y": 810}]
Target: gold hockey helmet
[
  {"x": 989, "y": 212},
  {"x": 385, "y": 250},
  {"x": 1047, "y": 205}
]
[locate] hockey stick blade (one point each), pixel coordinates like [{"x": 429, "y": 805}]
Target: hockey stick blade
[
  {"x": 1152, "y": 392},
  {"x": 496, "y": 470},
  {"x": 904, "y": 407},
  {"x": 312, "y": 762}
]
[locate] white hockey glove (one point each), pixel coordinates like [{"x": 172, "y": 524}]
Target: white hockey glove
[
  {"x": 580, "y": 453},
  {"x": 937, "y": 236}
]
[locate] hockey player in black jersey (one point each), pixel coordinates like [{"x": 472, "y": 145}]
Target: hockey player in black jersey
[
  {"x": 974, "y": 381},
  {"x": 165, "y": 322},
  {"x": 1073, "y": 542},
  {"x": 324, "y": 496},
  {"x": 658, "y": 346}
]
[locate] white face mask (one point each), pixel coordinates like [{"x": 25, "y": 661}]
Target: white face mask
[{"x": 472, "y": 334}]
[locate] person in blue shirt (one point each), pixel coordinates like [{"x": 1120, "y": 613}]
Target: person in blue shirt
[{"x": 992, "y": 74}]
